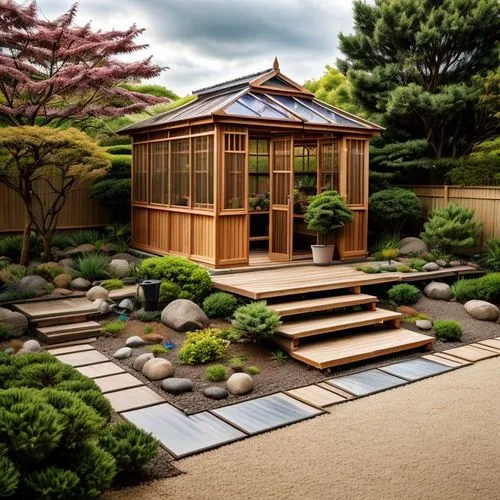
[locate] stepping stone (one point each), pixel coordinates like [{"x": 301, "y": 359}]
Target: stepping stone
[
  {"x": 71, "y": 343},
  {"x": 415, "y": 369},
  {"x": 491, "y": 343},
  {"x": 83, "y": 358},
  {"x": 443, "y": 361},
  {"x": 269, "y": 412},
  {"x": 131, "y": 399},
  {"x": 487, "y": 347},
  {"x": 366, "y": 382},
  {"x": 117, "y": 382},
  {"x": 443, "y": 355},
  {"x": 70, "y": 349},
  {"x": 100, "y": 370},
  {"x": 316, "y": 395},
  {"x": 336, "y": 390},
  {"x": 471, "y": 353},
  {"x": 180, "y": 434}
]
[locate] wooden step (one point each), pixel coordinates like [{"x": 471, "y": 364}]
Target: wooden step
[
  {"x": 356, "y": 347},
  {"x": 56, "y": 308},
  {"x": 322, "y": 304},
  {"x": 58, "y": 320},
  {"x": 336, "y": 322},
  {"x": 69, "y": 332}
]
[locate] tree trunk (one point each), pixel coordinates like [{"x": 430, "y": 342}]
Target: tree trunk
[
  {"x": 25, "y": 248},
  {"x": 47, "y": 247}
]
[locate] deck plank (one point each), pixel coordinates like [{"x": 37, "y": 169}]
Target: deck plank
[{"x": 55, "y": 308}]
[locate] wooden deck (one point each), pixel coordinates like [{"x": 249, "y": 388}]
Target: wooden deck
[
  {"x": 56, "y": 308},
  {"x": 304, "y": 279}
]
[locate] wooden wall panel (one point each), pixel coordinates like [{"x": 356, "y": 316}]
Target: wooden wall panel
[
  {"x": 180, "y": 232},
  {"x": 159, "y": 230},
  {"x": 232, "y": 239},
  {"x": 140, "y": 236},
  {"x": 352, "y": 240},
  {"x": 203, "y": 237}
]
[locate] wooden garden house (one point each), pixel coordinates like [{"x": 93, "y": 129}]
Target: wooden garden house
[{"x": 225, "y": 178}]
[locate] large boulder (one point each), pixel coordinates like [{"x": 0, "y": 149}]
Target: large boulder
[
  {"x": 35, "y": 284},
  {"x": 30, "y": 346},
  {"x": 17, "y": 322},
  {"x": 97, "y": 292},
  {"x": 412, "y": 246},
  {"x": 480, "y": 309},
  {"x": 62, "y": 280},
  {"x": 102, "y": 306},
  {"x": 430, "y": 266},
  {"x": 438, "y": 291},
  {"x": 239, "y": 383},
  {"x": 80, "y": 284},
  {"x": 157, "y": 369},
  {"x": 125, "y": 256},
  {"x": 141, "y": 360},
  {"x": 80, "y": 249},
  {"x": 126, "y": 304},
  {"x": 120, "y": 268},
  {"x": 183, "y": 315},
  {"x": 67, "y": 263}
]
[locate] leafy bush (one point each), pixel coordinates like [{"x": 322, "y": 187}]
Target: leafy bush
[
  {"x": 10, "y": 246},
  {"x": 203, "y": 346},
  {"x": 121, "y": 234},
  {"x": 113, "y": 328},
  {"x": 148, "y": 316},
  {"x": 158, "y": 350},
  {"x": 112, "y": 284},
  {"x": 220, "y": 305},
  {"x": 231, "y": 334},
  {"x": 327, "y": 212},
  {"x": 82, "y": 236},
  {"x": 256, "y": 321},
  {"x": 417, "y": 264},
  {"x": 447, "y": 329},
  {"x": 92, "y": 266},
  {"x": 485, "y": 288},
  {"x": 169, "y": 292},
  {"x": 368, "y": 269},
  {"x": 148, "y": 329},
  {"x": 237, "y": 364},
  {"x": 492, "y": 256},
  {"x": 216, "y": 373},
  {"x": 451, "y": 228},
  {"x": 120, "y": 149},
  {"x": 253, "y": 370},
  {"x": 129, "y": 446},
  {"x": 413, "y": 319},
  {"x": 403, "y": 269},
  {"x": 14, "y": 292},
  {"x": 5, "y": 331},
  {"x": 113, "y": 193},
  {"x": 382, "y": 243},
  {"x": 194, "y": 281},
  {"x": 49, "y": 270},
  {"x": 393, "y": 208},
  {"x": 404, "y": 294}
]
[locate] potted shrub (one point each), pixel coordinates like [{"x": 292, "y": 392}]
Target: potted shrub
[{"x": 325, "y": 213}]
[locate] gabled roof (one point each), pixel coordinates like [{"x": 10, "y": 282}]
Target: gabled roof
[{"x": 267, "y": 95}]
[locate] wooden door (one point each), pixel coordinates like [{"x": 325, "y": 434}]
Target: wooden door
[{"x": 281, "y": 199}]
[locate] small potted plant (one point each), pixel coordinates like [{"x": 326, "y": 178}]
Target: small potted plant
[{"x": 325, "y": 213}]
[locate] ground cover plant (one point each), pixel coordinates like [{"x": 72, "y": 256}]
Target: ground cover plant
[
  {"x": 92, "y": 266},
  {"x": 404, "y": 294},
  {"x": 485, "y": 288},
  {"x": 112, "y": 284},
  {"x": 447, "y": 330},
  {"x": 203, "y": 346},
  {"x": 256, "y": 321},
  {"x": 216, "y": 373},
  {"x": 492, "y": 256},
  {"x": 113, "y": 327},
  {"x": 220, "y": 305}
]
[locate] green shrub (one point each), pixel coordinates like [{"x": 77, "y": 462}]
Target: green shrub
[
  {"x": 450, "y": 229},
  {"x": 112, "y": 284},
  {"x": 9, "y": 477},
  {"x": 203, "y": 346},
  {"x": 92, "y": 266},
  {"x": 393, "y": 208},
  {"x": 10, "y": 246},
  {"x": 237, "y": 364},
  {"x": 417, "y": 264},
  {"x": 148, "y": 329},
  {"x": 49, "y": 270},
  {"x": 280, "y": 356},
  {"x": 120, "y": 149},
  {"x": 390, "y": 253},
  {"x": 14, "y": 292},
  {"x": 113, "y": 328},
  {"x": 130, "y": 447},
  {"x": 256, "y": 321},
  {"x": 158, "y": 350},
  {"x": 113, "y": 193},
  {"x": 51, "y": 482},
  {"x": 413, "y": 319},
  {"x": 253, "y": 370},
  {"x": 485, "y": 288},
  {"x": 169, "y": 292},
  {"x": 147, "y": 316},
  {"x": 447, "y": 329},
  {"x": 492, "y": 256},
  {"x": 5, "y": 331},
  {"x": 220, "y": 305},
  {"x": 231, "y": 334},
  {"x": 368, "y": 269},
  {"x": 404, "y": 294},
  {"x": 388, "y": 268},
  {"x": 382, "y": 243},
  {"x": 403, "y": 269},
  {"x": 82, "y": 236},
  {"x": 194, "y": 281},
  {"x": 216, "y": 373},
  {"x": 120, "y": 166}
]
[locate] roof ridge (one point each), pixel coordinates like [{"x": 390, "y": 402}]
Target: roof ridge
[{"x": 245, "y": 77}]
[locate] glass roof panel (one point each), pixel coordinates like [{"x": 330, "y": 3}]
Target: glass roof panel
[
  {"x": 261, "y": 107},
  {"x": 299, "y": 108},
  {"x": 238, "y": 109},
  {"x": 331, "y": 115}
]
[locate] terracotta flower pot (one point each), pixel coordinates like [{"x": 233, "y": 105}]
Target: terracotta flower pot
[{"x": 322, "y": 254}]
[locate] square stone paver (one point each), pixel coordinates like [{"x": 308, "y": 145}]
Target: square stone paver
[
  {"x": 366, "y": 382},
  {"x": 491, "y": 343},
  {"x": 471, "y": 353},
  {"x": 180, "y": 434},
  {"x": 131, "y": 399},
  {"x": 266, "y": 413},
  {"x": 72, "y": 348},
  {"x": 100, "y": 370},
  {"x": 336, "y": 390},
  {"x": 443, "y": 361},
  {"x": 415, "y": 369},
  {"x": 117, "y": 382},
  {"x": 83, "y": 358},
  {"x": 316, "y": 395}
]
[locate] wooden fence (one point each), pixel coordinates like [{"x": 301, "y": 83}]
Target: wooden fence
[
  {"x": 79, "y": 211},
  {"x": 485, "y": 201}
]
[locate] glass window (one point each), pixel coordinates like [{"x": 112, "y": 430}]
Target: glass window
[
  {"x": 203, "y": 171},
  {"x": 260, "y": 107},
  {"x": 159, "y": 172},
  {"x": 330, "y": 166},
  {"x": 238, "y": 109},
  {"x": 330, "y": 114},
  {"x": 299, "y": 108},
  {"x": 305, "y": 159},
  {"x": 356, "y": 172},
  {"x": 140, "y": 192},
  {"x": 234, "y": 170},
  {"x": 179, "y": 158},
  {"x": 258, "y": 165}
]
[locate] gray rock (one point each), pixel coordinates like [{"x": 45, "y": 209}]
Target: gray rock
[
  {"x": 120, "y": 268},
  {"x": 62, "y": 280},
  {"x": 455, "y": 263},
  {"x": 438, "y": 291},
  {"x": 123, "y": 353},
  {"x": 140, "y": 361},
  {"x": 157, "y": 369},
  {"x": 239, "y": 383},
  {"x": 424, "y": 324},
  {"x": 35, "y": 284},
  {"x": 214, "y": 392},
  {"x": 441, "y": 263},
  {"x": 124, "y": 256},
  {"x": 9, "y": 350},
  {"x": 135, "y": 341},
  {"x": 430, "y": 266},
  {"x": 67, "y": 263},
  {"x": 480, "y": 309},
  {"x": 80, "y": 284},
  {"x": 85, "y": 248},
  {"x": 31, "y": 346},
  {"x": 183, "y": 315},
  {"x": 97, "y": 292},
  {"x": 176, "y": 385},
  {"x": 412, "y": 246},
  {"x": 102, "y": 306},
  {"x": 126, "y": 304},
  {"x": 18, "y": 322}
]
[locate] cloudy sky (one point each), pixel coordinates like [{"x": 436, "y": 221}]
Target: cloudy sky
[{"x": 207, "y": 41}]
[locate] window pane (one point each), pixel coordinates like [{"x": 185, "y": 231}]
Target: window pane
[
  {"x": 140, "y": 157},
  {"x": 300, "y": 109},
  {"x": 159, "y": 172},
  {"x": 331, "y": 115},
  {"x": 330, "y": 166},
  {"x": 260, "y": 107},
  {"x": 238, "y": 109},
  {"x": 356, "y": 172},
  {"x": 203, "y": 168},
  {"x": 263, "y": 164},
  {"x": 179, "y": 194},
  {"x": 234, "y": 170}
]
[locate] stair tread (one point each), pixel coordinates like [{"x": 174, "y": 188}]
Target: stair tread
[
  {"x": 69, "y": 327},
  {"x": 314, "y": 326},
  {"x": 355, "y": 347},
  {"x": 322, "y": 303}
]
